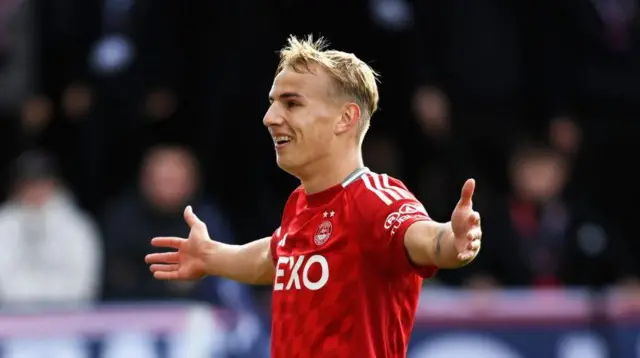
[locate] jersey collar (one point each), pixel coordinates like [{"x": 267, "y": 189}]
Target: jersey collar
[
  {"x": 354, "y": 176},
  {"x": 327, "y": 195}
]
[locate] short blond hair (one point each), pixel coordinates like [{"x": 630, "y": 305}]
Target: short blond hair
[{"x": 352, "y": 76}]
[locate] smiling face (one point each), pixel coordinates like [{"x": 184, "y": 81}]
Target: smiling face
[
  {"x": 321, "y": 104},
  {"x": 305, "y": 120}
]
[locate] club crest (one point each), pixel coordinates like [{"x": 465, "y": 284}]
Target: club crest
[{"x": 323, "y": 233}]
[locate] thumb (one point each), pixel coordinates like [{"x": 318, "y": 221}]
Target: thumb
[
  {"x": 191, "y": 218},
  {"x": 466, "y": 195}
]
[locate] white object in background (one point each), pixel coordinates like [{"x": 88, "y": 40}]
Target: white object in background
[
  {"x": 112, "y": 54},
  {"x": 464, "y": 345},
  {"x": 50, "y": 348},
  {"x": 395, "y": 15},
  {"x": 203, "y": 337},
  {"x": 133, "y": 344},
  {"x": 581, "y": 346}
]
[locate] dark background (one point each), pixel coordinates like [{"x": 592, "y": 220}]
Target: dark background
[{"x": 469, "y": 89}]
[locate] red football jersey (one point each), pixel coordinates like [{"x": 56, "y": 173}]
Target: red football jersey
[{"x": 344, "y": 285}]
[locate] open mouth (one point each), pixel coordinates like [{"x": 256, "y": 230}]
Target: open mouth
[{"x": 281, "y": 141}]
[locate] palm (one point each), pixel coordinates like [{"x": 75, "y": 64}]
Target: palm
[
  {"x": 190, "y": 257},
  {"x": 187, "y": 263},
  {"x": 465, "y": 222}
]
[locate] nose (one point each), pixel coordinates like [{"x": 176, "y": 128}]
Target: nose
[{"x": 272, "y": 117}]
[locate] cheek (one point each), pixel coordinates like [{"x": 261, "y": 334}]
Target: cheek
[
  {"x": 315, "y": 130},
  {"x": 322, "y": 137}
]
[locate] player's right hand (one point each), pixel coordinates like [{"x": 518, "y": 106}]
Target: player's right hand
[{"x": 188, "y": 262}]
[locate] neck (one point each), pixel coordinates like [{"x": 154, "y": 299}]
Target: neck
[{"x": 330, "y": 171}]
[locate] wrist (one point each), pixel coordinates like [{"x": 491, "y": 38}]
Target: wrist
[
  {"x": 216, "y": 254},
  {"x": 446, "y": 251}
]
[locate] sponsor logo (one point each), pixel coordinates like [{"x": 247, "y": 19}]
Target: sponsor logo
[
  {"x": 406, "y": 212},
  {"x": 297, "y": 272}
]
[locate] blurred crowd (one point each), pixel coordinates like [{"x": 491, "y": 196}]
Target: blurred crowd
[{"x": 115, "y": 114}]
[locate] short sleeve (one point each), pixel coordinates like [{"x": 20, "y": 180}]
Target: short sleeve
[
  {"x": 390, "y": 226},
  {"x": 275, "y": 239},
  {"x": 389, "y": 212},
  {"x": 279, "y": 236}
]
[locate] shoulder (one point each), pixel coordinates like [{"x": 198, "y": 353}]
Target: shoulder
[
  {"x": 375, "y": 194},
  {"x": 297, "y": 191},
  {"x": 295, "y": 195},
  {"x": 8, "y": 213},
  {"x": 387, "y": 210},
  {"x": 295, "y": 198},
  {"x": 8, "y": 209},
  {"x": 289, "y": 211}
]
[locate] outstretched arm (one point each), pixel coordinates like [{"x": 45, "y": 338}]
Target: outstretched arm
[
  {"x": 198, "y": 256},
  {"x": 433, "y": 243},
  {"x": 250, "y": 263},
  {"x": 447, "y": 245}
]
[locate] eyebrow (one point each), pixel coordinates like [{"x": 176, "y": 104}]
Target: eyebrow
[{"x": 286, "y": 95}]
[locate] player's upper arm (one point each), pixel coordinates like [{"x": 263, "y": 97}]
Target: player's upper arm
[
  {"x": 389, "y": 210},
  {"x": 268, "y": 258},
  {"x": 266, "y": 263},
  {"x": 259, "y": 268}
]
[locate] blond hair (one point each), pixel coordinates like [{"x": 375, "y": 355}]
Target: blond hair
[{"x": 353, "y": 78}]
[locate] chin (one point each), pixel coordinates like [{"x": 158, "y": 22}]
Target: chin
[
  {"x": 283, "y": 163},
  {"x": 289, "y": 165}
]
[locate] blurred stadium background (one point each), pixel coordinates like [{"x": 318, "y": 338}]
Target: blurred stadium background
[{"x": 116, "y": 113}]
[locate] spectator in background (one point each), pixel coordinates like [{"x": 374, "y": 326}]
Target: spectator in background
[
  {"x": 51, "y": 251},
  {"x": 18, "y": 77},
  {"x": 169, "y": 180},
  {"x": 591, "y": 50},
  {"x": 471, "y": 79},
  {"x": 542, "y": 238}
]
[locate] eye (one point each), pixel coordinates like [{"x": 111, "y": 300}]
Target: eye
[{"x": 291, "y": 104}]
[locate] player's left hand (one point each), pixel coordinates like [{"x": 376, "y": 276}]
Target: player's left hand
[{"x": 465, "y": 223}]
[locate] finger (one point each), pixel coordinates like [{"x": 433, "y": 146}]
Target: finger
[
  {"x": 474, "y": 219},
  {"x": 466, "y": 256},
  {"x": 163, "y": 268},
  {"x": 466, "y": 195},
  {"x": 166, "y": 275},
  {"x": 471, "y": 251},
  {"x": 191, "y": 218},
  {"x": 474, "y": 245},
  {"x": 474, "y": 234},
  {"x": 169, "y": 242},
  {"x": 164, "y": 257}
]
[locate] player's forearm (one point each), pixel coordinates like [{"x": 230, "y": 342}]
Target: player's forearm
[
  {"x": 443, "y": 249},
  {"x": 250, "y": 263},
  {"x": 433, "y": 243}
]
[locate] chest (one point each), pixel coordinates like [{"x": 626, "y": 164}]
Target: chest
[{"x": 314, "y": 248}]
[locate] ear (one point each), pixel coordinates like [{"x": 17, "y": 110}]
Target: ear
[{"x": 348, "y": 119}]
